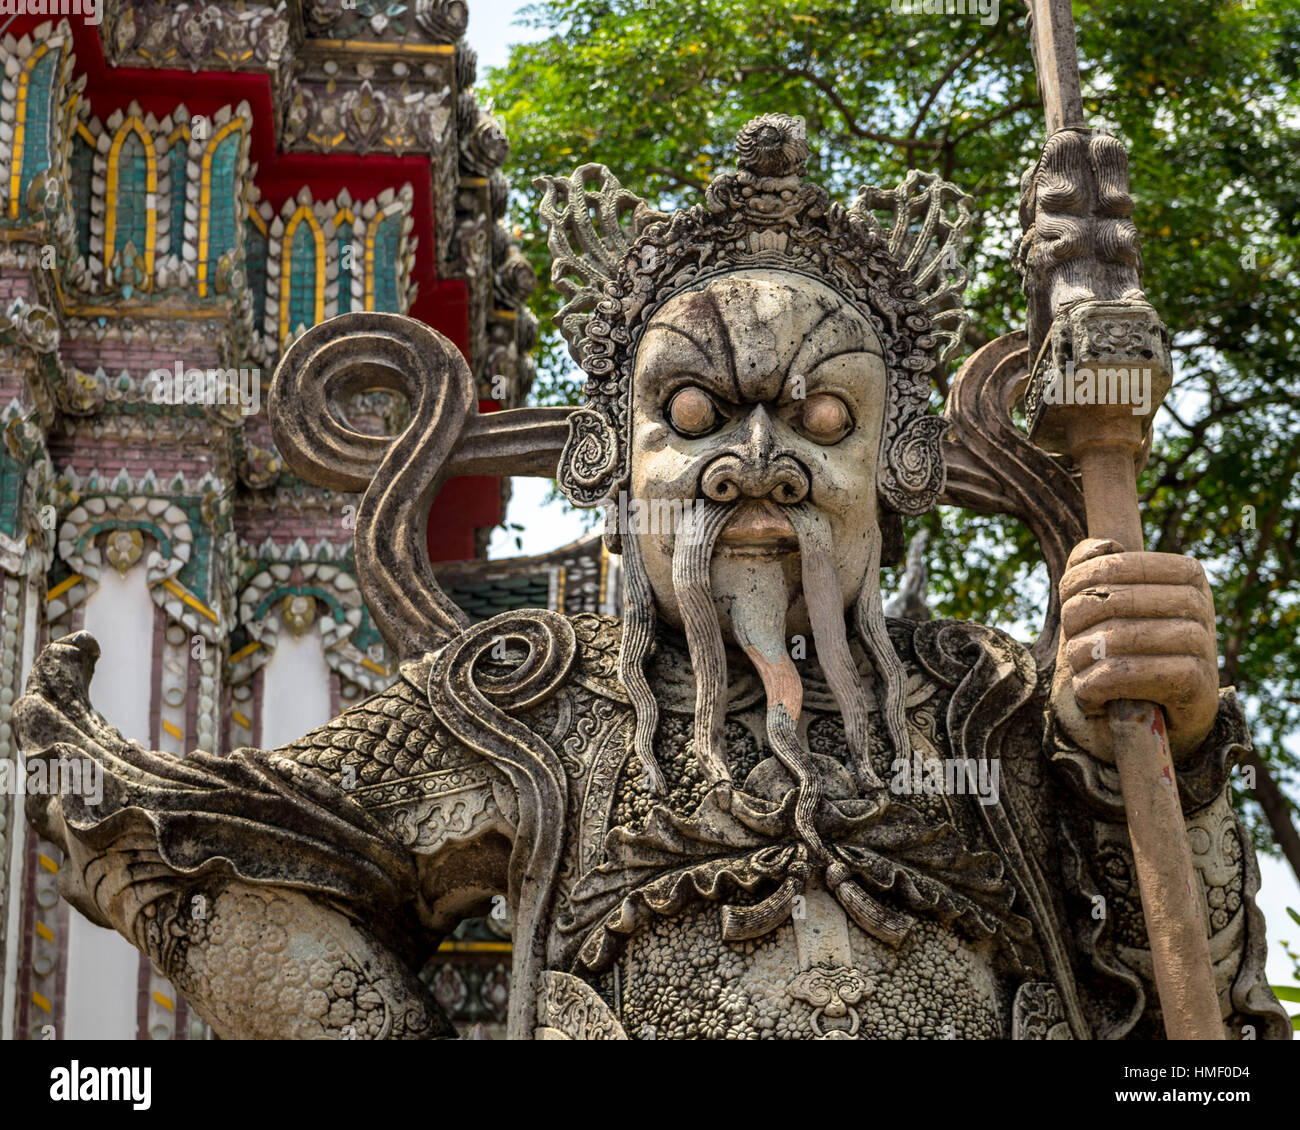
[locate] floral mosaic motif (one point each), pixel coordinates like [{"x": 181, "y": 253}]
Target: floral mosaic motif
[
  {"x": 185, "y": 524},
  {"x": 160, "y": 33},
  {"x": 443, "y": 21},
  {"x": 472, "y": 991},
  {"x": 123, "y": 549},
  {"x": 296, "y": 595},
  {"x": 298, "y": 613}
]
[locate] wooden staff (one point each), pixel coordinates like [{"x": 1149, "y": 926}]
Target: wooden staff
[{"x": 1104, "y": 442}]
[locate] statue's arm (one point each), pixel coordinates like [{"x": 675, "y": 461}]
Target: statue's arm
[
  {"x": 259, "y": 883},
  {"x": 1141, "y": 625},
  {"x": 262, "y": 961}
]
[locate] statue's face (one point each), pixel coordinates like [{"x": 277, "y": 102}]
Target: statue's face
[{"x": 763, "y": 389}]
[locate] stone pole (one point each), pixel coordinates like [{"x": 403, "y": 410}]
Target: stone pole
[{"x": 1100, "y": 367}]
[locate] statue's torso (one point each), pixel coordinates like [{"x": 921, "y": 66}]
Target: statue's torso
[
  {"x": 625, "y": 953},
  {"x": 618, "y": 897}
]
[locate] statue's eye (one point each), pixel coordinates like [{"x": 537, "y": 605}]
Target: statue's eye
[
  {"x": 825, "y": 418},
  {"x": 692, "y": 412}
]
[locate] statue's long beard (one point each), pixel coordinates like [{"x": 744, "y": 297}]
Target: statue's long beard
[
  {"x": 759, "y": 622},
  {"x": 758, "y": 601}
]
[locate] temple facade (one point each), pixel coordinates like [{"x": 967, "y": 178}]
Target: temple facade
[{"x": 184, "y": 190}]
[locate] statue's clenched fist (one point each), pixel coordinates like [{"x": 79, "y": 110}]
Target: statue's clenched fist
[{"x": 1135, "y": 626}]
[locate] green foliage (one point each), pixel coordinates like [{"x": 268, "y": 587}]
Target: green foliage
[
  {"x": 1203, "y": 92},
  {"x": 1291, "y": 993}
]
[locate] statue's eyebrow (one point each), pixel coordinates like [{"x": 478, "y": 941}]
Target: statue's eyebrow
[
  {"x": 847, "y": 351},
  {"x": 812, "y": 340},
  {"x": 736, "y": 395},
  {"x": 708, "y": 371},
  {"x": 673, "y": 328}
]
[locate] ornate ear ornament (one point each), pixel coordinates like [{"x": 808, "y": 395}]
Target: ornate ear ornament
[
  {"x": 910, "y": 477},
  {"x": 894, "y": 254},
  {"x": 589, "y": 466}
]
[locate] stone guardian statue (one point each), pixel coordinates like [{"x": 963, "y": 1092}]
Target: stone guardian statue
[{"x": 755, "y": 806}]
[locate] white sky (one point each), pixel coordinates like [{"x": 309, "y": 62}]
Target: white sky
[
  {"x": 491, "y": 30},
  {"x": 549, "y": 525},
  {"x": 546, "y": 525}
]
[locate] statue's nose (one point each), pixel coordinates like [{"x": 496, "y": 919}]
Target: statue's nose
[
  {"x": 732, "y": 477},
  {"x": 754, "y": 469}
]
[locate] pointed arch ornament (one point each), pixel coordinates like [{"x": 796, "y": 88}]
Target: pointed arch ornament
[{"x": 131, "y": 128}]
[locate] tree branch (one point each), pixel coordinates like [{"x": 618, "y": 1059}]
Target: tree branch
[
  {"x": 1005, "y": 112},
  {"x": 1277, "y": 810},
  {"x": 942, "y": 81},
  {"x": 833, "y": 96}
]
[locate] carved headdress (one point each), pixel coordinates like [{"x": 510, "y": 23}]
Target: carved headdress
[{"x": 616, "y": 261}]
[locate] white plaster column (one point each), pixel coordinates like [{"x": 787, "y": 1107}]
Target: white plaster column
[
  {"x": 14, "y": 834},
  {"x": 103, "y": 967},
  {"x": 295, "y": 688}
]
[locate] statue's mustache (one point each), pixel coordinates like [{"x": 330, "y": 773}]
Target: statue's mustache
[
  {"x": 758, "y": 607},
  {"x": 691, "y": 554},
  {"x": 758, "y": 524},
  {"x": 759, "y": 589}
]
